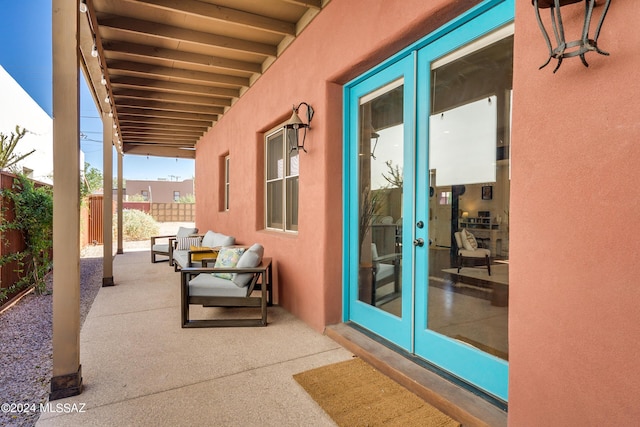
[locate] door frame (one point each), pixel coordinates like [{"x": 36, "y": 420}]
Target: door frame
[
  {"x": 437, "y": 352},
  {"x": 389, "y": 326}
]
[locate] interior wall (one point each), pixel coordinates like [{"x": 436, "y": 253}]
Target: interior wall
[
  {"x": 574, "y": 291},
  {"x": 331, "y": 51}
]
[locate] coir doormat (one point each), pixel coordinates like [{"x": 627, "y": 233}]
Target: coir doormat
[{"x": 354, "y": 393}]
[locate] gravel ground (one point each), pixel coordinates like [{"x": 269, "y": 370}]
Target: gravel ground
[
  {"x": 25, "y": 345},
  {"x": 25, "y": 336}
]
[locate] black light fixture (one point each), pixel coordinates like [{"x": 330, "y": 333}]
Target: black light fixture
[
  {"x": 293, "y": 126},
  {"x": 577, "y": 47},
  {"x": 374, "y": 136}
]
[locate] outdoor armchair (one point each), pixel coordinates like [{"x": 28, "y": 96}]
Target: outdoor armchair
[
  {"x": 246, "y": 284},
  {"x": 161, "y": 245}
]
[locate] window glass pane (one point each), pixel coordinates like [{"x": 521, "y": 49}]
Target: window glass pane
[
  {"x": 293, "y": 168},
  {"x": 381, "y": 133},
  {"x": 274, "y": 204},
  {"x": 468, "y": 282},
  {"x": 292, "y": 204},
  {"x": 275, "y": 156}
]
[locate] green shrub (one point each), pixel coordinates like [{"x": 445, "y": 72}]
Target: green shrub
[
  {"x": 34, "y": 219},
  {"x": 136, "y": 225}
]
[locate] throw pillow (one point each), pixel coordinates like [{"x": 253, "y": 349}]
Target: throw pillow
[
  {"x": 251, "y": 258},
  {"x": 468, "y": 240},
  {"x": 184, "y": 243},
  {"x": 227, "y": 258}
]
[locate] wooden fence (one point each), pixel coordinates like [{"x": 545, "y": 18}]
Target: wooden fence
[
  {"x": 11, "y": 241},
  {"x": 161, "y": 212},
  {"x": 173, "y": 212},
  {"x": 96, "y": 214}
]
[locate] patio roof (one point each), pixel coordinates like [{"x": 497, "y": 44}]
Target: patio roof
[{"x": 171, "y": 69}]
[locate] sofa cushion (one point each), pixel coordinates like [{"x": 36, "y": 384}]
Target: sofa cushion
[
  {"x": 180, "y": 258},
  {"x": 186, "y": 231},
  {"x": 208, "y": 285},
  {"x": 251, "y": 258},
  {"x": 164, "y": 248},
  {"x": 213, "y": 239},
  {"x": 476, "y": 253},
  {"x": 184, "y": 243},
  {"x": 209, "y": 239},
  {"x": 227, "y": 258}
]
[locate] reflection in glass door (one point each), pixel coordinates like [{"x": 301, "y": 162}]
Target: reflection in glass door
[
  {"x": 427, "y": 199},
  {"x": 469, "y": 160},
  {"x": 466, "y": 99},
  {"x": 380, "y": 183}
]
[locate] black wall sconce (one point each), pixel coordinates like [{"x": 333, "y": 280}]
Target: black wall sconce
[
  {"x": 375, "y": 136},
  {"x": 577, "y": 47},
  {"x": 293, "y": 126}
]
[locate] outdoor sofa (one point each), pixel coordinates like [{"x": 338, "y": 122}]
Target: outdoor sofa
[{"x": 190, "y": 251}]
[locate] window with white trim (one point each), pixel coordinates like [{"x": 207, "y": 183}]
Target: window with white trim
[{"x": 281, "y": 178}]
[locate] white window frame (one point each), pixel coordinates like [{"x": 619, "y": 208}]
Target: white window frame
[
  {"x": 287, "y": 174},
  {"x": 226, "y": 182}
]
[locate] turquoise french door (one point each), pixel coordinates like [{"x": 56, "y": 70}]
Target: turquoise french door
[
  {"x": 381, "y": 187},
  {"x": 400, "y": 124}
]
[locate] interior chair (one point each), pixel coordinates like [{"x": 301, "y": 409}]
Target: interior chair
[
  {"x": 247, "y": 282},
  {"x": 386, "y": 269},
  {"x": 470, "y": 251},
  {"x": 162, "y": 247}
]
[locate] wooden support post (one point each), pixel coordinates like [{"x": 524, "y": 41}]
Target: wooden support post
[
  {"x": 67, "y": 373},
  {"x": 107, "y": 202}
]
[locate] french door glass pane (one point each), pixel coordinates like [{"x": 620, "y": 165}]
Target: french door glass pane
[
  {"x": 469, "y": 176},
  {"x": 381, "y": 145}
]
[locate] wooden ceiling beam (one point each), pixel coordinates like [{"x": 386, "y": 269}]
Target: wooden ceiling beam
[
  {"x": 167, "y": 86},
  {"x": 145, "y": 51},
  {"x": 187, "y": 117},
  {"x": 151, "y": 132},
  {"x": 189, "y": 76},
  {"x": 130, "y": 121},
  {"x": 159, "y": 127},
  {"x": 167, "y": 32},
  {"x": 166, "y": 139},
  {"x": 167, "y": 106},
  {"x": 226, "y": 14},
  {"x": 315, "y": 4},
  {"x": 150, "y": 150},
  {"x": 171, "y": 97}
]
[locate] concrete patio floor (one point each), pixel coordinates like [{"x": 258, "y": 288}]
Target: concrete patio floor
[{"x": 139, "y": 367}]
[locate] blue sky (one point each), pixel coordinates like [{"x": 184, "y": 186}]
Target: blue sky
[{"x": 25, "y": 52}]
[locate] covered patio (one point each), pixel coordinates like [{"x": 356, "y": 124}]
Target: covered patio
[{"x": 141, "y": 368}]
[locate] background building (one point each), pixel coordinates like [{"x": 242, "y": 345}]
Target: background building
[
  {"x": 159, "y": 191},
  {"x": 18, "y": 108}
]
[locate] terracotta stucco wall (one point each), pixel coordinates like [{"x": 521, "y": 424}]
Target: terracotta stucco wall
[
  {"x": 574, "y": 321},
  {"x": 342, "y": 42}
]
